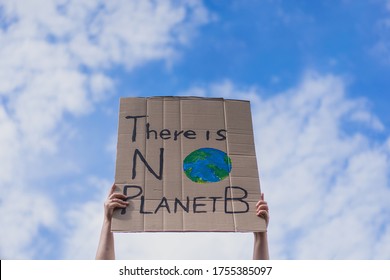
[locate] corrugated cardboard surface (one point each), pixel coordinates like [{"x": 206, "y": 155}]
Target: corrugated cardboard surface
[{"x": 163, "y": 131}]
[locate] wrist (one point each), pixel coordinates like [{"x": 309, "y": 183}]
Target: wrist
[
  {"x": 107, "y": 222},
  {"x": 260, "y": 235}
]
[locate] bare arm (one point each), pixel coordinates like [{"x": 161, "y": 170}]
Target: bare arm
[
  {"x": 260, "y": 250},
  {"x": 106, "y": 248}
]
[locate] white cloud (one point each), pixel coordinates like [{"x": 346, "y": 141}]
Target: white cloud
[
  {"x": 85, "y": 221},
  {"x": 327, "y": 186},
  {"x": 100, "y": 85},
  {"x": 23, "y": 212},
  {"x": 381, "y": 47},
  {"x": 54, "y": 55}
]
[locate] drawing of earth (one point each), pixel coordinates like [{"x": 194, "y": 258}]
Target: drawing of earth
[{"x": 207, "y": 165}]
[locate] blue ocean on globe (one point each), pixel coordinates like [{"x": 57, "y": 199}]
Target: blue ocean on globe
[{"x": 207, "y": 165}]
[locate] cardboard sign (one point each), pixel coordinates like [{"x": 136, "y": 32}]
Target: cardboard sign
[{"x": 186, "y": 164}]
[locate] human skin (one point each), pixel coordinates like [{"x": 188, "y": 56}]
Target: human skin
[
  {"x": 260, "y": 249},
  {"x": 106, "y": 247}
]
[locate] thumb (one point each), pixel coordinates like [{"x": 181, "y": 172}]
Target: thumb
[{"x": 112, "y": 190}]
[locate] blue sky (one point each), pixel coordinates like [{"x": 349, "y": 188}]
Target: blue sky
[{"x": 316, "y": 73}]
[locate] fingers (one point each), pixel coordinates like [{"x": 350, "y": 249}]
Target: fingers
[
  {"x": 116, "y": 199},
  {"x": 117, "y": 203},
  {"x": 112, "y": 190},
  {"x": 262, "y": 205},
  {"x": 263, "y": 214},
  {"x": 261, "y": 202},
  {"x": 262, "y": 209},
  {"x": 117, "y": 195}
]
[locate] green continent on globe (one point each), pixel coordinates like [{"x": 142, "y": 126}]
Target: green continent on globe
[
  {"x": 207, "y": 165},
  {"x": 219, "y": 172},
  {"x": 193, "y": 157},
  {"x": 194, "y": 178},
  {"x": 228, "y": 160}
]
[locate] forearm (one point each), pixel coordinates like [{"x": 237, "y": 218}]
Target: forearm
[
  {"x": 260, "y": 250},
  {"x": 106, "y": 249}
]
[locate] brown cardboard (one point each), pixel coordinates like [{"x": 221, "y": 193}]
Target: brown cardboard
[{"x": 156, "y": 135}]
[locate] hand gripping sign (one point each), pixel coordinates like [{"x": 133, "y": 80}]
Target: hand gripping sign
[{"x": 186, "y": 164}]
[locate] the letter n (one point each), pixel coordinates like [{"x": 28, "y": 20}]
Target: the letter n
[{"x": 142, "y": 158}]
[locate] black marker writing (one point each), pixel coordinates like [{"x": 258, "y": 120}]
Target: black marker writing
[
  {"x": 240, "y": 199},
  {"x": 142, "y": 158},
  {"x": 133, "y": 137},
  {"x": 199, "y": 203},
  {"x": 166, "y": 134}
]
